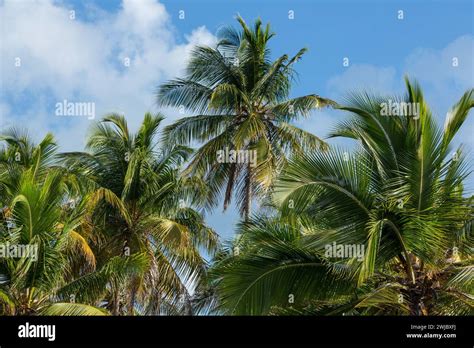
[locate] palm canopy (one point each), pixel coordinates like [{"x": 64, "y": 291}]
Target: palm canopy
[
  {"x": 36, "y": 219},
  {"x": 242, "y": 102},
  {"x": 400, "y": 197},
  {"x": 20, "y": 153},
  {"x": 140, "y": 204}
]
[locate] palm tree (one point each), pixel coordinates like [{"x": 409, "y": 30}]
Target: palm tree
[
  {"x": 399, "y": 198},
  {"x": 242, "y": 102},
  {"x": 141, "y": 205},
  {"x": 35, "y": 219},
  {"x": 20, "y": 154},
  {"x": 45, "y": 282}
]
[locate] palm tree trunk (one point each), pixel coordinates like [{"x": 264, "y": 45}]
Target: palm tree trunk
[
  {"x": 133, "y": 295},
  {"x": 248, "y": 193},
  {"x": 230, "y": 186},
  {"x": 115, "y": 308},
  {"x": 188, "y": 306}
]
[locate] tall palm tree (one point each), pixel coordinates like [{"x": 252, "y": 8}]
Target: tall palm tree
[
  {"x": 18, "y": 154},
  {"x": 34, "y": 216},
  {"x": 45, "y": 281},
  {"x": 141, "y": 204},
  {"x": 399, "y": 198},
  {"x": 241, "y": 98}
]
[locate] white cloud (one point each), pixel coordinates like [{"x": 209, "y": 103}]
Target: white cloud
[
  {"x": 450, "y": 66},
  {"x": 442, "y": 83},
  {"x": 83, "y": 61},
  {"x": 363, "y": 77},
  {"x": 432, "y": 68}
]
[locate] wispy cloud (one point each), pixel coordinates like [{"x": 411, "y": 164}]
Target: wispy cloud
[
  {"x": 443, "y": 82},
  {"x": 115, "y": 61},
  {"x": 363, "y": 77}
]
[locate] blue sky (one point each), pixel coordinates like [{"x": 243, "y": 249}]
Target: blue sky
[{"x": 81, "y": 59}]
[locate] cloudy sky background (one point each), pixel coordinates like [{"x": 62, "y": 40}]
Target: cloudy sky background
[{"x": 81, "y": 59}]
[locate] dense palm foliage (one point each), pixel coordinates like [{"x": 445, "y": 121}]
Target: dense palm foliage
[
  {"x": 142, "y": 205},
  {"x": 115, "y": 226},
  {"x": 120, "y": 228},
  {"x": 34, "y": 215},
  {"x": 241, "y": 98},
  {"x": 400, "y": 196}
]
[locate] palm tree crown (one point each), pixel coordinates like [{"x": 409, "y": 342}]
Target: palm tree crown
[
  {"x": 140, "y": 204},
  {"x": 242, "y": 100},
  {"x": 399, "y": 197}
]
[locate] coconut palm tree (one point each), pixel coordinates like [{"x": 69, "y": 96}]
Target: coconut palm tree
[
  {"x": 35, "y": 220},
  {"x": 42, "y": 282},
  {"x": 241, "y": 98},
  {"x": 19, "y": 154},
  {"x": 399, "y": 198},
  {"x": 141, "y": 204}
]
